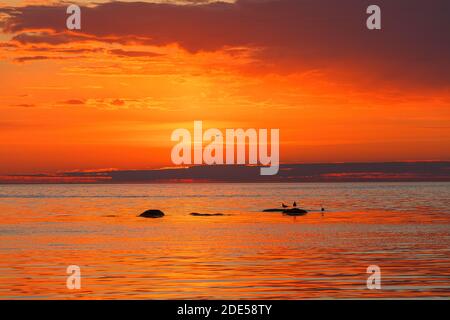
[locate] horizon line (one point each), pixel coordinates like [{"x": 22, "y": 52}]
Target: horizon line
[{"x": 392, "y": 171}]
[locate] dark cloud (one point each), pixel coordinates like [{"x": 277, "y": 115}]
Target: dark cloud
[
  {"x": 74, "y": 102},
  {"x": 62, "y": 38},
  {"x": 118, "y": 102},
  {"x": 325, "y": 172},
  {"x": 294, "y": 35},
  {"x": 40, "y": 57},
  {"x": 31, "y": 58},
  {"x": 23, "y": 105},
  {"x": 133, "y": 54},
  {"x": 47, "y": 38},
  {"x": 8, "y": 45}
]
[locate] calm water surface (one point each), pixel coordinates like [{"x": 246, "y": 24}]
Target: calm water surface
[{"x": 402, "y": 227}]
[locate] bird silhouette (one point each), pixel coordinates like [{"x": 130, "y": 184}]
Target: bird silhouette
[
  {"x": 284, "y": 206},
  {"x": 294, "y": 204}
]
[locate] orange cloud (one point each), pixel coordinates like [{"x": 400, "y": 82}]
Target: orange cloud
[
  {"x": 294, "y": 35},
  {"x": 110, "y": 94}
]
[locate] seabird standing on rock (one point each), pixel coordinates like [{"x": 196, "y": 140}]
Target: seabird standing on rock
[
  {"x": 294, "y": 204},
  {"x": 283, "y": 205}
]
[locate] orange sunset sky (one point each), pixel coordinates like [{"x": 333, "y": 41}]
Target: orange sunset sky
[{"x": 110, "y": 94}]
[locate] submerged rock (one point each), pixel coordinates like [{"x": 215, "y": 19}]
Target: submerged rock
[
  {"x": 206, "y": 214},
  {"x": 152, "y": 214},
  {"x": 274, "y": 210},
  {"x": 295, "y": 212}
]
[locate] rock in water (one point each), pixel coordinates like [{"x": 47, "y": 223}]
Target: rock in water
[
  {"x": 274, "y": 210},
  {"x": 152, "y": 214},
  {"x": 295, "y": 212}
]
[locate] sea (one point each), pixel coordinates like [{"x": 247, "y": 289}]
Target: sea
[{"x": 403, "y": 229}]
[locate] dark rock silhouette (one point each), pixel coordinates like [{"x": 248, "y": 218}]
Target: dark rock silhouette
[
  {"x": 152, "y": 214},
  {"x": 273, "y": 210},
  {"x": 206, "y": 214},
  {"x": 295, "y": 212}
]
